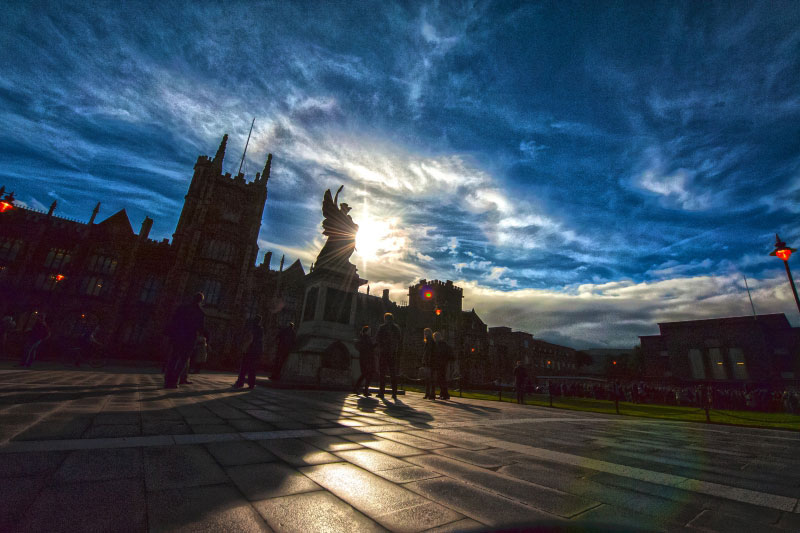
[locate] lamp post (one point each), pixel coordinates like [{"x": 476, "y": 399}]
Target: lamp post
[{"x": 783, "y": 252}]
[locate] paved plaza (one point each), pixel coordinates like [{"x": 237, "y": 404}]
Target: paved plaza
[{"x": 110, "y": 450}]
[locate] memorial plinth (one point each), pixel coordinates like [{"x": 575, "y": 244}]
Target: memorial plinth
[{"x": 324, "y": 352}]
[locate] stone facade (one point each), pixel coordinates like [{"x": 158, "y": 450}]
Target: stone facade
[
  {"x": 745, "y": 348},
  {"x": 106, "y": 274}
]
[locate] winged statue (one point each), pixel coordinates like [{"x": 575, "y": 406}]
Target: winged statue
[{"x": 340, "y": 229}]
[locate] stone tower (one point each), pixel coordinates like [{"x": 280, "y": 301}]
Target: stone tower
[{"x": 215, "y": 243}]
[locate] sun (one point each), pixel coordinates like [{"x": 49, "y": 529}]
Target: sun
[{"x": 374, "y": 235}]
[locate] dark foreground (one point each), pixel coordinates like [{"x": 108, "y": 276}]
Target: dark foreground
[{"x": 111, "y": 450}]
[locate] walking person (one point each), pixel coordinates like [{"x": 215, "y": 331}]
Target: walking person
[
  {"x": 428, "y": 355},
  {"x": 7, "y": 325},
  {"x": 389, "y": 337},
  {"x": 520, "y": 379},
  {"x": 253, "y": 350},
  {"x": 443, "y": 356},
  {"x": 285, "y": 342},
  {"x": 188, "y": 320},
  {"x": 366, "y": 360},
  {"x": 38, "y": 333}
]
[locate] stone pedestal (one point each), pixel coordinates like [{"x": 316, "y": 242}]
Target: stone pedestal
[{"x": 325, "y": 353}]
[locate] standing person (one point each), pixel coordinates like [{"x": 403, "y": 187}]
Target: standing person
[
  {"x": 253, "y": 350},
  {"x": 199, "y": 354},
  {"x": 428, "y": 355},
  {"x": 38, "y": 333},
  {"x": 285, "y": 342},
  {"x": 366, "y": 360},
  {"x": 520, "y": 378},
  {"x": 388, "y": 338},
  {"x": 7, "y": 325},
  {"x": 443, "y": 356},
  {"x": 188, "y": 320},
  {"x": 90, "y": 345}
]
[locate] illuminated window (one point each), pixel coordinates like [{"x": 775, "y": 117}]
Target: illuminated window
[
  {"x": 717, "y": 364},
  {"x": 737, "y": 363},
  {"x": 94, "y": 286},
  {"x": 47, "y": 281}
]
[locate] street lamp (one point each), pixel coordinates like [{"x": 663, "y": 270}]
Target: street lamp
[
  {"x": 783, "y": 252},
  {"x": 7, "y": 201}
]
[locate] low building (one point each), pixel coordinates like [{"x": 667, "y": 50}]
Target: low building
[{"x": 745, "y": 348}]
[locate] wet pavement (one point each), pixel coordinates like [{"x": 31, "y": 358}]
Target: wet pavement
[{"x": 110, "y": 450}]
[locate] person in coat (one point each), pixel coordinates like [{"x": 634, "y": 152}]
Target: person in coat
[{"x": 366, "y": 360}]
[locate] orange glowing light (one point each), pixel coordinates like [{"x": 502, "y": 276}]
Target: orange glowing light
[
  {"x": 5, "y": 206},
  {"x": 548, "y": 362},
  {"x": 613, "y": 362},
  {"x": 438, "y": 312},
  {"x": 472, "y": 349},
  {"x": 58, "y": 277},
  {"x": 784, "y": 253}
]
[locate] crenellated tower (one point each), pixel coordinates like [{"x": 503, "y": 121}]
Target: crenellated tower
[{"x": 215, "y": 241}]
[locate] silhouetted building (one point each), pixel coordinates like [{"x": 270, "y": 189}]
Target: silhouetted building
[
  {"x": 744, "y": 348},
  {"x": 105, "y": 273}
]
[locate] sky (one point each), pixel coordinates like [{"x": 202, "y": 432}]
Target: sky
[{"x": 583, "y": 170}]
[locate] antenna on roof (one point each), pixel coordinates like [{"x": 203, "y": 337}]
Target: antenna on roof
[
  {"x": 245, "y": 145},
  {"x": 755, "y": 317}
]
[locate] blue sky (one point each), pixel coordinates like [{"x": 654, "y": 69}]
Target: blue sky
[{"x": 582, "y": 169}]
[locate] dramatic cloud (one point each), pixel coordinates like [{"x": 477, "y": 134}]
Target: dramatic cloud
[{"x": 582, "y": 171}]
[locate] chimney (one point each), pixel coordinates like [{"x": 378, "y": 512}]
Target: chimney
[
  {"x": 147, "y": 223},
  {"x": 385, "y": 295},
  {"x": 267, "y": 259}
]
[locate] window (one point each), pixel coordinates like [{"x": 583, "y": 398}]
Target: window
[
  {"x": 717, "y": 364},
  {"x": 46, "y": 281},
  {"x": 737, "y": 363},
  {"x": 219, "y": 250},
  {"x": 525, "y": 343},
  {"x": 150, "y": 288},
  {"x": 696, "y": 364},
  {"x": 102, "y": 264},
  {"x": 211, "y": 289},
  {"x": 57, "y": 259},
  {"x": 9, "y": 249},
  {"x": 94, "y": 286}
]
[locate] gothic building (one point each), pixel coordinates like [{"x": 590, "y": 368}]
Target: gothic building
[{"x": 81, "y": 274}]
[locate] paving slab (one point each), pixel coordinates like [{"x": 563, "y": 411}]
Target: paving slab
[
  {"x": 314, "y": 511},
  {"x": 298, "y": 452},
  {"x": 103, "y": 464},
  {"x": 88, "y": 506},
  {"x": 552, "y": 501},
  {"x": 481, "y": 505},
  {"x": 269, "y": 480},
  {"x": 168, "y": 467},
  {"x": 372, "y": 460},
  {"x": 239, "y": 453},
  {"x": 386, "y": 503},
  {"x": 210, "y": 508}
]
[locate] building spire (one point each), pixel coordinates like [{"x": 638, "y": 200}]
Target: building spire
[
  {"x": 267, "y": 167},
  {"x": 94, "y": 213},
  {"x": 221, "y": 152},
  {"x": 52, "y": 208},
  {"x": 245, "y": 145}
]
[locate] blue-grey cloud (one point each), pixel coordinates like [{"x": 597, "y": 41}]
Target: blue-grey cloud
[{"x": 513, "y": 147}]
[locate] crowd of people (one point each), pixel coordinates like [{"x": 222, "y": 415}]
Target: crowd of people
[
  {"x": 753, "y": 398},
  {"x": 189, "y": 349}
]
